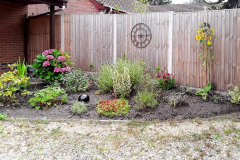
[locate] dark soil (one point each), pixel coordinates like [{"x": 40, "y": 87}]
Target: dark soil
[{"x": 191, "y": 107}]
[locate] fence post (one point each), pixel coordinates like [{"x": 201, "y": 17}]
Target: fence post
[
  {"x": 170, "y": 42},
  {"x": 62, "y": 32},
  {"x": 114, "y": 38}
]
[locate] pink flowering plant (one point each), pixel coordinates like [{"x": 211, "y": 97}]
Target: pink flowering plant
[{"x": 51, "y": 64}]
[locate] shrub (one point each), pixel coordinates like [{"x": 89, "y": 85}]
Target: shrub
[
  {"x": 79, "y": 108},
  {"x": 135, "y": 70},
  {"x": 113, "y": 107},
  {"x": 167, "y": 81},
  {"x": 50, "y": 96},
  {"x": 75, "y": 81},
  {"x": 121, "y": 83},
  {"x": 235, "y": 95},
  {"x": 50, "y": 64},
  {"x": 145, "y": 99},
  {"x": 105, "y": 79},
  {"x": 10, "y": 82}
]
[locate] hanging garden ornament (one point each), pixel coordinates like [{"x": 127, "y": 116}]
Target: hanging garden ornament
[{"x": 83, "y": 98}]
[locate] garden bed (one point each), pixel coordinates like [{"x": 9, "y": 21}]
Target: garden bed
[{"x": 191, "y": 107}]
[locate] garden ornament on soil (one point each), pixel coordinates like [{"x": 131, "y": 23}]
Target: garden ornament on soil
[{"x": 84, "y": 98}]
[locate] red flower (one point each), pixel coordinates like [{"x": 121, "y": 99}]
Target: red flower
[
  {"x": 164, "y": 76},
  {"x": 159, "y": 76},
  {"x": 167, "y": 74}
]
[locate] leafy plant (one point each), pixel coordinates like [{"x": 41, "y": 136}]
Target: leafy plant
[
  {"x": 205, "y": 35},
  {"x": 3, "y": 116},
  {"x": 167, "y": 81},
  {"x": 79, "y": 108},
  {"x": 21, "y": 68},
  {"x": 113, "y": 107},
  {"x": 91, "y": 65},
  {"x": 204, "y": 92},
  {"x": 51, "y": 64},
  {"x": 145, "y": 99},
  {"x": 75, "y": 80},
  {"x": 105, "y": 79},
  {"x": 10, "y": 82},
  {"x": 50, "y": 96},
  {"x": 235, "y": 95},
  {"x": 121, "y": 83}
]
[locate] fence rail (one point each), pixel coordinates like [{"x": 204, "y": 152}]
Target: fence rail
[{"x": 173, "y": 47}]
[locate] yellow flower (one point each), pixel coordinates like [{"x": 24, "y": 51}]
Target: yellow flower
[
  {"x": 210, "y": 38},
  {"x": 198, "y": 37},
  {"x": 199, "y": 32},
  {"x": 209, "y": 43},
  {"x": 212, "y": 31},
  {"x": 203, "y": 35}
]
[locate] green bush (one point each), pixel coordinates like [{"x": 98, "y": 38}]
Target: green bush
[
  {"x": 235, "y": 95},
  {"x": 113, "y": 107},
  {"x": 75, "y": 80},
  {"x": 10, "y": 82},
  {"x": 121, "y": 83},
  {"x": 51, "y": 64},
  {"x": 50, "y": 96},
  {"x": 79, "y": 108},
  {"x": 167, "y": 81},
  {"x": 105, "y": 79},
  {"x": 145, "y": 99}
]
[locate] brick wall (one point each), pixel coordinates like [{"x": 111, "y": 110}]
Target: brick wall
[
  {"x": 11, "y": 33},
  {"x": 73, "y": 6}
]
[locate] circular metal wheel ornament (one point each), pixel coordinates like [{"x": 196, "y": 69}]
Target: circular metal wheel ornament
[{"x": 141, "y": 35}]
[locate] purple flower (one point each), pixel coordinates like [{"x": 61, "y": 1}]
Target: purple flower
[
  {"x": 50, "y": 57},
  {"x": 62, "y": 58},
  {"x": 56, "y": 69},
  {"x": 46, "y": 63}
]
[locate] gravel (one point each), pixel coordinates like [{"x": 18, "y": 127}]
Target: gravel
[{"x": 30, "y": 139}]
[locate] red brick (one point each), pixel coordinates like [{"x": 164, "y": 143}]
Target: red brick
[{"x": 11, "y": 32}]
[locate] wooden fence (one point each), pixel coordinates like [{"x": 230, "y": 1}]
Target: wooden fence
[{"x": 173, "y": 47}]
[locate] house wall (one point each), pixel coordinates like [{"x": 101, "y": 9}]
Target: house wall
[
  {"x": 73, "y": 6},
  {"x": 11, "y": 33}
]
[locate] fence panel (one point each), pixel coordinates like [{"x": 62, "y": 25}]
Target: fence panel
[{"x": 92, "y": 38}]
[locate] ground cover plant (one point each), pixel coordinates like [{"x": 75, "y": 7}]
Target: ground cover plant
[
  {"x": 75, "y": 80},
  {"x": 113, "y": 107},
  {"x": 50, "y": 96},
  {"x": 79, "y": 108}
]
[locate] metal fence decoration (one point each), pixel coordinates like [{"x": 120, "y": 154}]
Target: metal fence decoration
[{"x": 141, "y": 35}]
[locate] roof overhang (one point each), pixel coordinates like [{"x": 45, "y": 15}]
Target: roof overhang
[{"x": 49, "y": 2}]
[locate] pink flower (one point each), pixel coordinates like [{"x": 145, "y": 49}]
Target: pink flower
[
  {"x": 50, "y": 51},
  {"x": 62, "y": 58},
  {"x": 56, "y": 69},
  {"x": 63, "y": 69},
  {"x": 68, "y": 69},
  {"x": 47, "y": 52},
  {"x": 50, "y": 57},
  {"x": 46, "y": 63}
]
